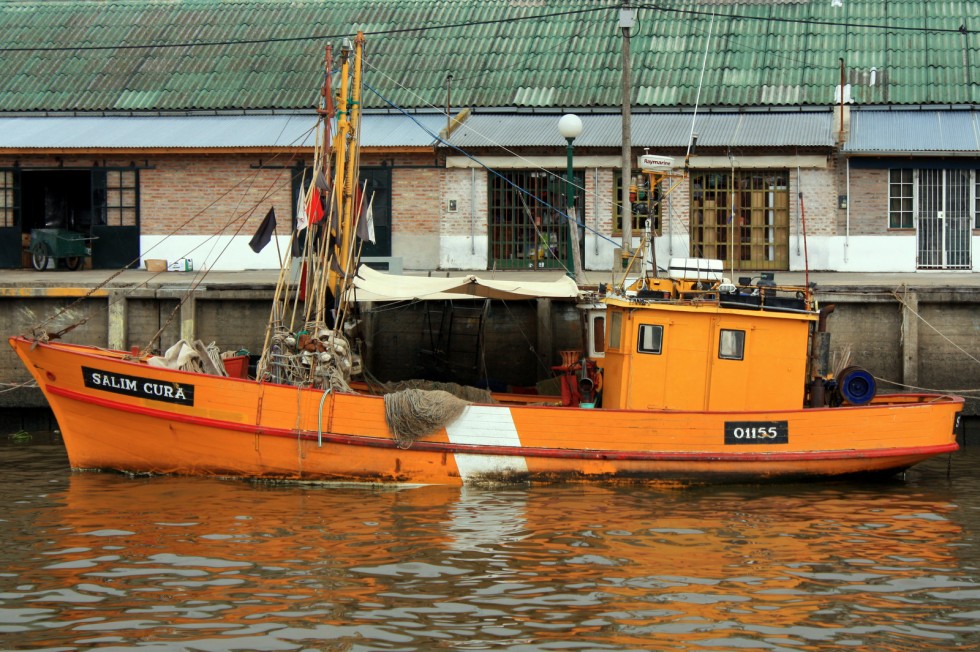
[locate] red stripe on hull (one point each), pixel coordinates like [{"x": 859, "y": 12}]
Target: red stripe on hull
[{"x": 916, "y": 453}]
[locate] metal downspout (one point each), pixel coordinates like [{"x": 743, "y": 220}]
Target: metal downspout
[
  {"x": 595, "y": 210},
  {"x": 847, "y": 210},
  {"x": 473, "y": 211}
]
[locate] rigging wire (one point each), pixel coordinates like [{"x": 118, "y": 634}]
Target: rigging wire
[
  {"x": 200, "y": 275},
  {"x": 612, "y": 7},
  {"x": 480, "y": 163},
  {"x": 511, "y": 152},
  {"x": 314, "y": 37},
  {"x": 697, "y": 97}
]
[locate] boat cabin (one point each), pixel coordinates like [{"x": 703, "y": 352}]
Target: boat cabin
[{"x": 677, "y": 346}]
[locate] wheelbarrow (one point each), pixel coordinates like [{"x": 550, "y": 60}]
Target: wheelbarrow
[{"x": 59, "y": 244}]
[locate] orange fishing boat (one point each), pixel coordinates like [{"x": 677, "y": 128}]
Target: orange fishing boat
[{"x": 687, "y": 378}]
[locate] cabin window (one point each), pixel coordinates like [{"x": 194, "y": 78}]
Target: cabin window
[
  {"x": 731, "y": 345},
  {"x": 599, "y": 334},
  {"x": 615, "y": 329},
  {"x": 651, "y": 338}
]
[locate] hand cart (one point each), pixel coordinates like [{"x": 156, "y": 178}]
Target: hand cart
[{"x": 59, "y": 244}]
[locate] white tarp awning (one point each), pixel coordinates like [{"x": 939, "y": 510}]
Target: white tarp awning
[{"x": 372, "y": 285}]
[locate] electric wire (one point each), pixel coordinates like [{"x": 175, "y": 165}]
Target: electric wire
[{"x": 611, "y": 7}]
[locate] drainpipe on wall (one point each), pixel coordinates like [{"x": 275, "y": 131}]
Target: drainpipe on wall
[
  {"x": 595, "y": 209},
  {"x": 799, "y": 193},
  {"x": 473, "y": 211},
  {"x": 847, "y": 211}
]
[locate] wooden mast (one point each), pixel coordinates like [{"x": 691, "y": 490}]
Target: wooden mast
[{"x": 346, "y": 169}]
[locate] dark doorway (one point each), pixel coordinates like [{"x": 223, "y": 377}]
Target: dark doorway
[
  {"x": 98, "y": 203},
  {"x": 56, "y": 200},
  {"x": 377, "y": 185}
]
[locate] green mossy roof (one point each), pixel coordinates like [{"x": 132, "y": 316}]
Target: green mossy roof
[{"x": 180, "y": 55}]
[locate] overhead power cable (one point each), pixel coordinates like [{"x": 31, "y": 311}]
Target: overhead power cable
[
  {"x": 309, "y": 37},
  {"x": 612, "y": 6}
]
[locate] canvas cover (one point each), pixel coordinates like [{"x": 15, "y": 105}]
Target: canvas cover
[{"x": 372, "y": 285}]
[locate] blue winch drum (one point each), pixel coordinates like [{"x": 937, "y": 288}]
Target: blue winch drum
[{"x": 856, "y": 385}]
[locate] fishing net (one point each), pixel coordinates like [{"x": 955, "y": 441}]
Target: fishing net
[
  {"x": 414, "y": 413},
  {"x": 465, "y": 392}
]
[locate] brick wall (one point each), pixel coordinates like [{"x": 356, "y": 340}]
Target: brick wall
[
  {"x": 415, "y": 201},
  {"x": 869, "y": 203},
  {"x": 468, "y": 188},
  {"x": 204, "y": 195},
  {"x": 819, "y": 207}
]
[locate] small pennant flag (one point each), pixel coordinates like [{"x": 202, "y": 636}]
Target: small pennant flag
[
  {"x": 314, "y": 209},
  {"x": 365, "y": 225},
  {"x": 264, "y": 233}
]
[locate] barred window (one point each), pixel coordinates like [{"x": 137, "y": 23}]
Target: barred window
[
  {"x": 741, "y": 217},
  {"x": 528, "y": 228}
]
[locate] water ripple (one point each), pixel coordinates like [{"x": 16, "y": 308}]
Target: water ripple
[{"x": 117, "y": 563}]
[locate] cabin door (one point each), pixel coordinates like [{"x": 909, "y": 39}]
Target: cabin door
[{"x": 944, "y": 219}]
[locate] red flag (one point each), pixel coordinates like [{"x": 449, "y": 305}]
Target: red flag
[
  {"x": 302, "y": 282},
  {"x": 314, "y": 210}
]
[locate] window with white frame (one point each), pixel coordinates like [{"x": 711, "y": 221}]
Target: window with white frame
[
  {"x": 976, "y": 199},
  {"x": 651, "y": 339},
  {"x": 901, "y": 199}
]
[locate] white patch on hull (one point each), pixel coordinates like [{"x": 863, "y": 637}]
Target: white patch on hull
[{"x": 485, "y": 425}]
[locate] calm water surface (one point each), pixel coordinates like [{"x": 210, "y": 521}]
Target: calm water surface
[{"x": 104, "y": 561}]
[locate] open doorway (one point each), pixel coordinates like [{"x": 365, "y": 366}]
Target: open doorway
[
  {"x": 56, "y": 200},
  {"x": 99, "y": 204}
]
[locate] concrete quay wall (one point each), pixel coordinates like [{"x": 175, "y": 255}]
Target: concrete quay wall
[{"x": 913, "y": 332}]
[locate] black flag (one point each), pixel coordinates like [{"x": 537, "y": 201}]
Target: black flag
[{"x": 264, "y": 234}]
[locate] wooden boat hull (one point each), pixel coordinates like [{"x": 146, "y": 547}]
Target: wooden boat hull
[{"x": 121, "y": 414}]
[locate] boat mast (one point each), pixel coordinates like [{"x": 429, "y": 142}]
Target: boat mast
[
  {"x": 626, "y": 210},
  {"x": 346, "y": 170}
]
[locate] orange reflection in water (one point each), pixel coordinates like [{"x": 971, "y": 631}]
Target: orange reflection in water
[
  {"x": 694, "y": 566},
  {"x": 183, "y": 560}
]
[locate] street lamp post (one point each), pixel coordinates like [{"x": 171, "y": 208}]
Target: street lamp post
[{"x": 570, "y": 127}]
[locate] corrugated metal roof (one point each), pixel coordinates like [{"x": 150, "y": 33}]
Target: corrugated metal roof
[
  {"x": 267, "y": 54},
  {"x": 804, "y": 129},
  {"x": 216, "y": 131},
  {"x": 914, "y": 131}
]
